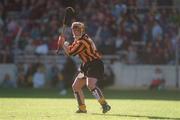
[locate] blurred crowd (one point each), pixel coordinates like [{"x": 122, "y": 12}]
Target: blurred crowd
[
  {"x": 140, "y": 31},
  {"x": 39, "y": 75}
]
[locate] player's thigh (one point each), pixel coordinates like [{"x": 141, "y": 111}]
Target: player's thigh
[
  {"x": 91, "y": 82},
  {"x": 79, "y": 82}
]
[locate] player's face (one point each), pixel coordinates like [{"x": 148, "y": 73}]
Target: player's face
[{"x": 76, "y": 31}]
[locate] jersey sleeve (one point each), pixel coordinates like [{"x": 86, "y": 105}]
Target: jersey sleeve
[{"x": 75, "y": 48}]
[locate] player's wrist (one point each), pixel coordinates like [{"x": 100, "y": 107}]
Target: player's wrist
[
  {"x": 65, "y": 47},
  {"x": 66, "y": 43}
]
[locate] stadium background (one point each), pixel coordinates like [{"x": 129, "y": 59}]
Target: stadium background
[{"x": 138, "y": 38}]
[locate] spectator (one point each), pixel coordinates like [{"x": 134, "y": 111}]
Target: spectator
[
  {"x": 131, "y": 55},
  {"x": 158, "y": 54},
  {"x": 42, "y": 49},
  {"x": 21, "y": 81},
  {"x": 53, "y": 43},
  {"x": 148, "y": 53},
  {"x": 6, "y": 55},
  {"x": 156, "y": 30},
  {"x": 118, "y": 42},
  {"x": 38, "y": 79},
  {"x": 158, "y": 81},
  {"x": 30, "y": 48},
  {"x": 31, "y": 69},
  {"x": 8, "y": 82}
]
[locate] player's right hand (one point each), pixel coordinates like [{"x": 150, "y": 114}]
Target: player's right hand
[{"x": 61, "y": 41}]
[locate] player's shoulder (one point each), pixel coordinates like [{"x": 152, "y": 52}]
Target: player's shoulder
[{"x": 84, "y": 37}]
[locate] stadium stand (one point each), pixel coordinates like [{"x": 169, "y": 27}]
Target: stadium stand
[{"x": 130, "y": 31}]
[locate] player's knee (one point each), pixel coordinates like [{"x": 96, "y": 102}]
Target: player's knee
[
  {"x": 91, "y": 86},
  {"x": 75, "y": 87}
]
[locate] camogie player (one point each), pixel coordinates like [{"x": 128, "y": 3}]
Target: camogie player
[{"x": 92, "y": 67}]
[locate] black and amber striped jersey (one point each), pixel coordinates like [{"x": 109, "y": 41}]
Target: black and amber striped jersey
[{"x": 84, "y": 48}]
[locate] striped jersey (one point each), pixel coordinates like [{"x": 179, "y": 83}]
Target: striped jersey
[{"x": 84, "y": 48}]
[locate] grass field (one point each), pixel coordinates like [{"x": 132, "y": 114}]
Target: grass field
[{"x": 46, "y": 104}]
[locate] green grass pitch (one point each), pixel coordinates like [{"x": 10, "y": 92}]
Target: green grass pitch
[{"x": 47, "y": 104}]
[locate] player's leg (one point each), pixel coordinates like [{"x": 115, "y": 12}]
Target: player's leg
[
  {"x": 97, "y": 93},
  {"x": 77, "y": 86},
  {"x": 94, "y": 72}
]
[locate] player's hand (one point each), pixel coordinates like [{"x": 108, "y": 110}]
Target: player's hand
[
  {"x": 60, "y": 43},
  {"x": 61, "y": 40}
]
